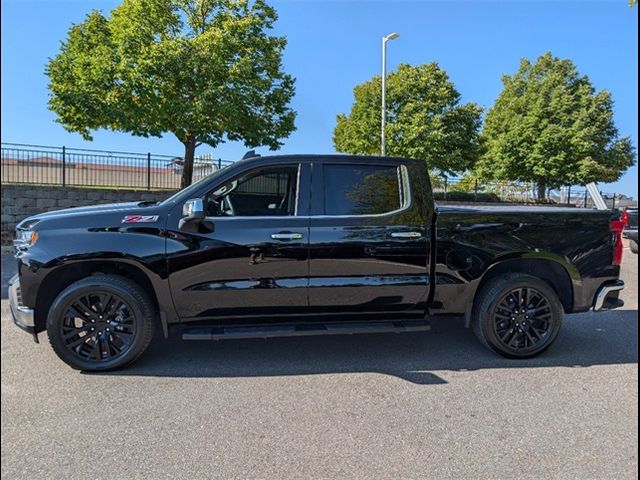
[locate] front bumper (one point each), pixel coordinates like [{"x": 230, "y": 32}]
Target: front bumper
[
  {"x": 607, "y": 296},
  {"x": 22, "y": 316}
]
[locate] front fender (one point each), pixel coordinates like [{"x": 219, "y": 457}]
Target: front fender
[{"x": 58, "y": 250}]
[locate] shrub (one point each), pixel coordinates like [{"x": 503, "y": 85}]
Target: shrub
[{"x": 456, "y": 196}]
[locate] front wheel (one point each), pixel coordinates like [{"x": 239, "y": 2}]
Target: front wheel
[
  {"x": 517, "y": 315},
  {"x": 101, "y": 322},
  {"x": 633, "y": 246}
]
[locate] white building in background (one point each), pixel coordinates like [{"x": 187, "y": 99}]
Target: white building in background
[{"x": 202, "y": 165}]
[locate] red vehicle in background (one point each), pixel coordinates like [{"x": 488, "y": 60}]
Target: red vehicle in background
[{"x": 630, "y": 217}]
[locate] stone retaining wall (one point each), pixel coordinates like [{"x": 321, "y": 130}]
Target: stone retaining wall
[{"x": 20, "y": 201}]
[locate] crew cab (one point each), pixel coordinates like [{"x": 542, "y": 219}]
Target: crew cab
[{"x": 307, "y": 245}]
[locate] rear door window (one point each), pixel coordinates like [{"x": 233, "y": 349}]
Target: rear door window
[{"x": 361, "y": 189}]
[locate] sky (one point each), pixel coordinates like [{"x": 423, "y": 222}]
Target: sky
[{"x": 334, "y": 45}]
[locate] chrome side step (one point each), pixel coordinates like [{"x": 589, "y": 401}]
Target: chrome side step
[{"x": 300, "y": 330}]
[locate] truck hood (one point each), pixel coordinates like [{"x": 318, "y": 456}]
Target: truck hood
[
  {"x": 114, "y": 212},
  {"x": 105, "y": 208}
]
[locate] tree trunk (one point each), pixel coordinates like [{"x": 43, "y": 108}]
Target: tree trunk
[
  {"x": 187, "y": 167},
  {"x": 542, "y": 189}
]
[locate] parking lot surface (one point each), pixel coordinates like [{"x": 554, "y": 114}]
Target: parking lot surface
[{"x": 420, "y": 405}]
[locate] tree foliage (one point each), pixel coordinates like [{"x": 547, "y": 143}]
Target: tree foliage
[
  {"x": 549, "y": 125},
  {"x": 425, "y": 119},
  {"x": 204, "y": 70}
]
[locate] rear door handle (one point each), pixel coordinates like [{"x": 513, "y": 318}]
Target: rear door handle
[
  {"x": 406, "y": 234},
  {"x": 286, "y": 236}
]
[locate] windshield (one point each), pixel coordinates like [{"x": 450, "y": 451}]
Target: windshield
[{"x": 185, "y": 193}]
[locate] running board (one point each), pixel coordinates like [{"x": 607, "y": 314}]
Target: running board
[{"x": 300, "y": 330}]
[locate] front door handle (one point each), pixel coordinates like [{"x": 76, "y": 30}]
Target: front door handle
[
  {"x": 406, "y": 234},
  {"x": 286, "y": 236}
]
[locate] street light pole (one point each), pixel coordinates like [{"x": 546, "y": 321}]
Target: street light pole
[{"x": 385, "y": 39}]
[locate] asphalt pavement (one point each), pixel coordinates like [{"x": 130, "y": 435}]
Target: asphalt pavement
[{"x": 420, "y": 405}]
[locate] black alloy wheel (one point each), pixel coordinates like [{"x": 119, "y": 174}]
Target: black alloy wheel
[
  {"x": 98, "y": 326},
  {"x": 101, "y": 322},
  {"x": 522, "y": 318},
  {"x": 517, "y": 315}
]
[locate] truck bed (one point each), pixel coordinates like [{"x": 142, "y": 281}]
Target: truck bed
[{"x": 470, "y": 239}]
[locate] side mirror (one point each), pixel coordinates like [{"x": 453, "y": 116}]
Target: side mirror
[{"x": 192, "y": 214}]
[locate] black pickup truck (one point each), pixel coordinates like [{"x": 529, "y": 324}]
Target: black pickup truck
[{"x": 307, "y": 245}]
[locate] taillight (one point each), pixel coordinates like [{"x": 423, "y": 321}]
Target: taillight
[
  {"x": 616, "y": 227},
  {"x": 625, "y": 218}
]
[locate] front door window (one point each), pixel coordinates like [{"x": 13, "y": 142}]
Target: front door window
[{"x": 266, "y": 192}]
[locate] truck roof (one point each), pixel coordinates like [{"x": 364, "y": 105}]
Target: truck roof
[{"x": 334, "y": 157}]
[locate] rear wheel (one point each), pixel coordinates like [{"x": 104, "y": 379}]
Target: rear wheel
[
  {"x": 517, "y": 315},
  {"x": 102, "y": 322},
  {"x": 633, "y": 246}
]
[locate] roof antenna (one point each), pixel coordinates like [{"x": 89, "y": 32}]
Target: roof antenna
[{"x": 250, "y": 154}]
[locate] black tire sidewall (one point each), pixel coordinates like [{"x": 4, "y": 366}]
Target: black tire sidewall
[
  {"x": 87, "y": 286},
  {"x": 494, "y": 292}
]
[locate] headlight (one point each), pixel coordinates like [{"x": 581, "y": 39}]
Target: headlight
[{"x": 25, "y": 238}]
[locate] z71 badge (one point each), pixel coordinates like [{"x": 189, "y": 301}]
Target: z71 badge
[{"x": 140, "y": 219}]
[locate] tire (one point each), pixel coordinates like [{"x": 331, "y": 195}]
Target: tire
[
  {"x": 633, "y": 246},
  {"x": 502, "y": 325},
  {"x": 100, "y": 323}
]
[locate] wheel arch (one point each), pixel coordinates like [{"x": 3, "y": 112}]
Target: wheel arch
[
  {"x": 63, "y": 276},
  {"x": 550, "y": 271}
]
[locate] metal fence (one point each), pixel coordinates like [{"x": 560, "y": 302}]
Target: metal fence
[
  {"x": 46, "y": 165},
  {"x": 461, "y": 189}
]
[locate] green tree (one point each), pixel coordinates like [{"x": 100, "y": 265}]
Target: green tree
[
  {"x": 550, "y": 126},
  {"x": 204, "y": 70},
  {"x": 425, "y": 119}
]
